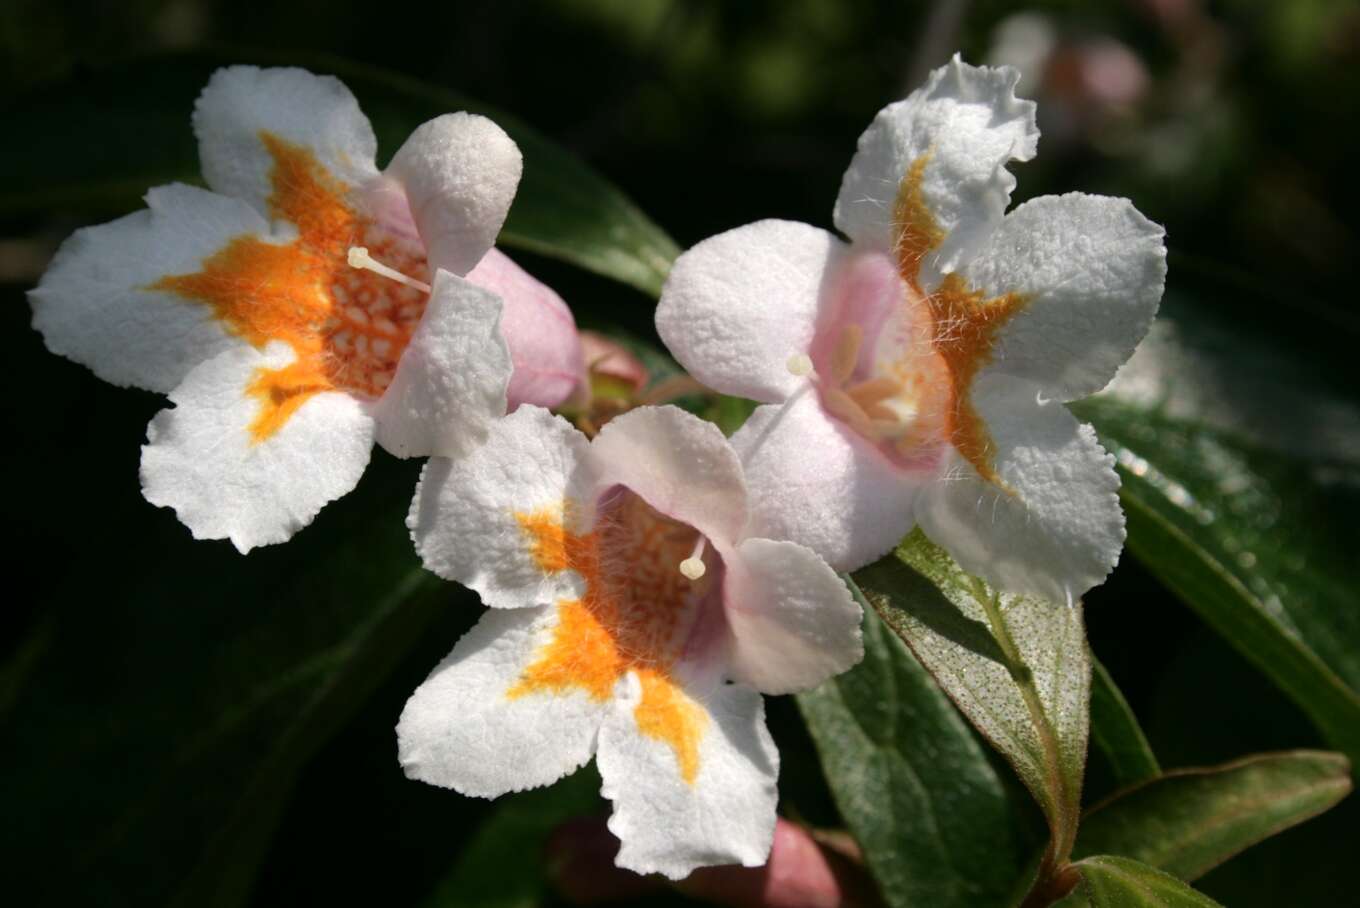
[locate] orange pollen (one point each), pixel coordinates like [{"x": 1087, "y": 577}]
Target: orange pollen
[
  {"x": 963, "y": 323},
  {"x": 347, "y": 327},
  {"x": 633, "y": 616}
]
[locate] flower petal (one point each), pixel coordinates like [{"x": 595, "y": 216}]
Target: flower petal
[
  {"x": 460, "y": 172},
  {"x": 538, "y": 326},
  {"x": 814, "y": 481},
  {"x": 737, "y": 306},
  {"x": 467, "y": 518},
  {"x": 450, "y": 384},
  {"x": 679, "y": 464},
  {"x": 467, "y": 728},
  {"x": 725, "y": 815},
  {"x": 94, "y": 306},
  {"x": 224, "y": 481},
  {"x": 1091, "y": 270},
  {"x": 793, "y": 620},
  {"x": 1056, "y": 529},
  {"x": 315, "y": 112},
  {"x": 969, "y": 123}
]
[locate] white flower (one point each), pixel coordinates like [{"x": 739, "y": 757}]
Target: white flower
[
  {"x": 287, "y": 311},
  {"x": 938, "y": 345},
  {"x": 632, "y": 618}
]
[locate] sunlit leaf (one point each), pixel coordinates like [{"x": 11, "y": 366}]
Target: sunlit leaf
[
  {"x": 1016, "y": 666},
  {"x": 1189, "y": 821},
  {"x": 140, "y": 112},
  {"x": 912, "y": 782}
]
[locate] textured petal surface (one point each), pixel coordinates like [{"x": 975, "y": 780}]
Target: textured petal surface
[
  {"x": 1057, "y": 530},
  {"x": 969, "y": 122},
  {"x": 679, "y": 464},
  {"x": 1091, "y": 269},
  {"x": 466, "y": 729},
  {"x": 814, "y": 481},
  {"x": 450, "y": 384},
  {"x": 304, "y": 109},
  {"x": 466, "y": 516},
  {"x": 460, "y": 172},
  {"x": 544, "y": 343},
  {"x": 93, "y": 306},
  {"x": 738, "y": 305},
  {"x": 202, "y": 460},
  {"x": 724, "y": 816},
  {"x": 793, "y": 620}
]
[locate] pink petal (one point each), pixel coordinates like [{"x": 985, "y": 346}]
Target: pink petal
[{"x": 545, "y": 346}]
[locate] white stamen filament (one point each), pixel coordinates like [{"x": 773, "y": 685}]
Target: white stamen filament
[
  {"x": 359, "y": 258},
  {"x": 800, "y": 364},
  {"x": 693, "y": 567}
]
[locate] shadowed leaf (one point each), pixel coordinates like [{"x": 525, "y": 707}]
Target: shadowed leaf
[
  {"x": 1240, "y": 485},
  {"x": 1114, "y": 882},
  {"x": 1189, "y": 821},
  {"x": 1115, "y": 730},
  {"x": 911, "y": 781}
]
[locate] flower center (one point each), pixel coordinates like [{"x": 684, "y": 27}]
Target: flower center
[
  {"x": 878, "y": 369},
  {"x": 347, "y": 327},
  {"x": 897, "y": 363},
  {"x": 637, "y": 614}
]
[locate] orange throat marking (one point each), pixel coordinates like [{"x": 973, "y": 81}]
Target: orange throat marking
[
  {"x": 347, "y": 328},
  {"x": 964, "y": 322},
  {"x": 632, "y": 618}
]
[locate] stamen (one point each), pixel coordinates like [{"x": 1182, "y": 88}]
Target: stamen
[
  {"x": 800, "y": 364},
  {"x": 842, "y": 405},
  {"x": 846, "y": 355},
  {"x": 359, "y": 258},
  {"x": 693, "y": 567},
  {"x": 873, "y": 390}
]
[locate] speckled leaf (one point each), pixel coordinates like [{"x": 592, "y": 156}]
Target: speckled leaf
[
  {"x": 1026, "y": 689},
  {"x": 140, "y": 112},
  {"x": 1189, "y": 821},
  {"x": 912, "y": 782},
  {"x": 1240, "y": 485}
]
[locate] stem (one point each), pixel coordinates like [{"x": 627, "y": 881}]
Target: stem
[{"x": 1052, "y": 884}]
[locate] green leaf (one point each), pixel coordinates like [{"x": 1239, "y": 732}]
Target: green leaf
[
  {"x": 1114, "y": 882},
  {"x": 1241, "y": 476},
  {"x": 155, "y": 745},
  {"x": 140, "y": 112},
  {"x": 1116, "y": 731},
  {"x": 1026, "y": 689},
  {"x": 1189, "y": 821},
  {"x": 912, "y": 783},
  {"x": 503, "y": 866}
]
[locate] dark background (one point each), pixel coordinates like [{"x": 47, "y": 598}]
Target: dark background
[{"x": 1234, "y": 124}]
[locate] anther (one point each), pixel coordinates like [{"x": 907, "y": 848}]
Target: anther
[
  {"x": 693, "y": 567},
  {"x": 845, "y": 356},
  {"x": 800, "y": 364},
  {"x": 359, "y": 258}
]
